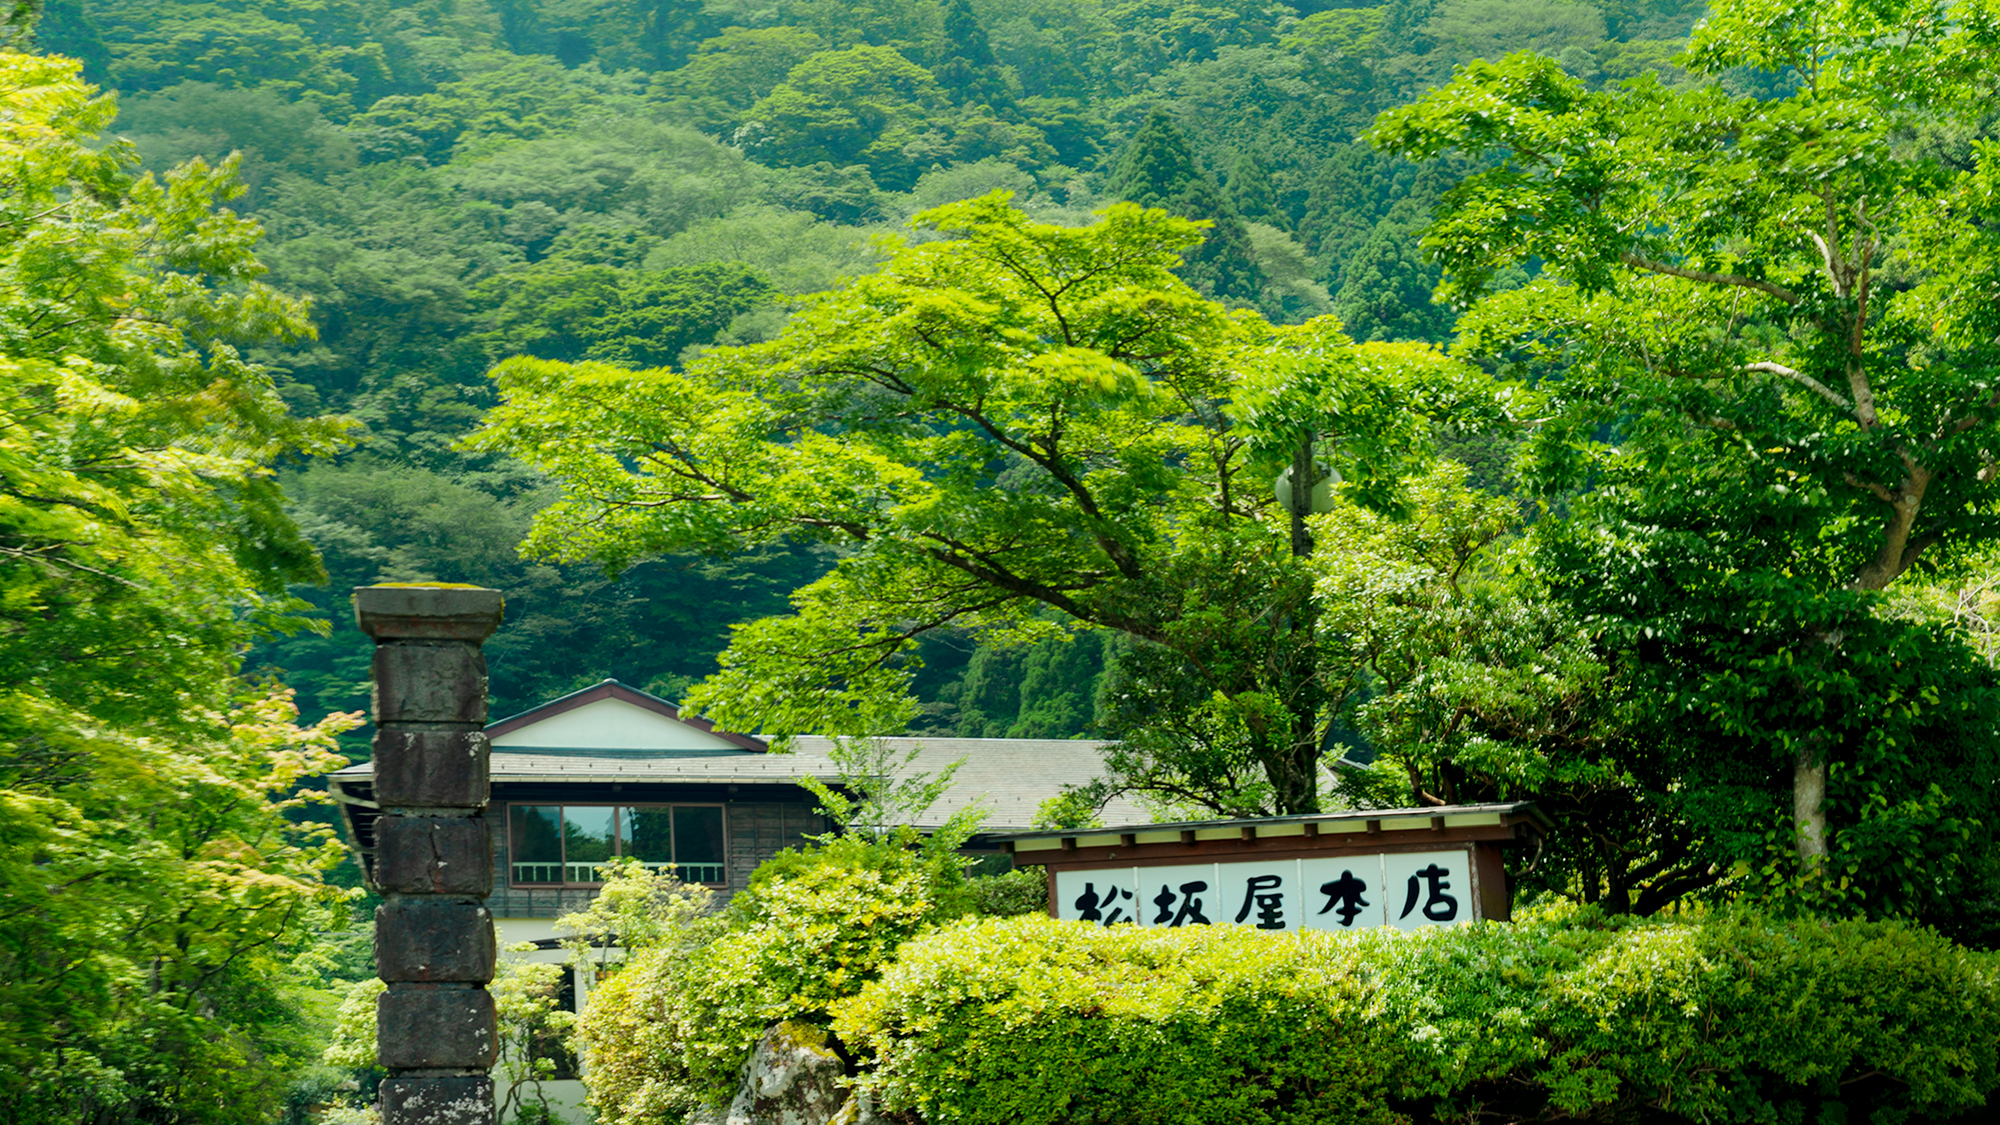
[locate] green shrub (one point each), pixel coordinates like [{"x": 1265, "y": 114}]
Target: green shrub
[
  {"x": 1746, "y": 1019},
  {"x": 1032, "y": 1020},
  {"x": 1025, "y": 891},
  {"x": 669, "y": 1033},
  {"x": 1569, "y": 1014}
]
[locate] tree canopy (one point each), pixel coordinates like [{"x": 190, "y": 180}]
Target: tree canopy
[
  {"x": 1024, "y": 429},
  {"x": 143, "y": 542},
  {"x": 1771, "y": 305}
]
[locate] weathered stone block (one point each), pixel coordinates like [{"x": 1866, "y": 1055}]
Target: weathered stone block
[
  {"x": 437, "y": 1101},
  {"x": 432, "y": 768},
  {"x": 791, "y": 1078},
  {"x": 429, "y": 1027},
  {"x": 434, "y": 855},
  {"x": 429, "y": 682},
  {"x": 434, "y": 613},
  {"x": 434, "y": 941}
]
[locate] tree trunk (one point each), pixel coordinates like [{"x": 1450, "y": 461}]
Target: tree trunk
[
  {"x": 1303, "y": 480},
  {"x": 1809, "y": 806},
  {"x": 1298, "y": 788},
  {"x": 1296, "y": 783}
]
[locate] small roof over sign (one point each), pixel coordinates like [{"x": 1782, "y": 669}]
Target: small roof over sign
[{"x": 1250, "y": 828}]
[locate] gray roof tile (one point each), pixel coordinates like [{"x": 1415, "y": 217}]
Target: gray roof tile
[{"x": 1012, "y": 776}]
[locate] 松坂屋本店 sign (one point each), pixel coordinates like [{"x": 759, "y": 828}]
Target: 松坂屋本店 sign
[
  {"x": 1405, "y": 889},
  {"x": 1330, "y": 871}
]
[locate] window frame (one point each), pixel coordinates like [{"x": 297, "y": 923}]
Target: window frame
[{"x": 617, "y": 839}]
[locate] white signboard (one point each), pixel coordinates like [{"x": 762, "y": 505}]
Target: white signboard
[{"x": 1405, "y": 890}]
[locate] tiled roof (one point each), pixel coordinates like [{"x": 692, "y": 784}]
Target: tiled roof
[
  {"x": 612, "y": 689},
  {"x": 1012, "y": 776}
]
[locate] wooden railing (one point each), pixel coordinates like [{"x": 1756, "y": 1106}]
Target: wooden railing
[{"x": 564, "y": 873}]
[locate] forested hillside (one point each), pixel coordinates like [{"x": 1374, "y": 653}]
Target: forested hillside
[{"x": 452, "y": 182}]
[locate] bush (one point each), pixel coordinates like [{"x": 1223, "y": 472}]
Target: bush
[
  {"x": 1025, "y": 891},
  {"x": 669, "y": 1033},
  {"x": 1732, "y": 1018}
]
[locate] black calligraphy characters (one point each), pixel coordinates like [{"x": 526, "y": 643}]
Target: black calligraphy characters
[
  {"x": 1438, "y": 906},
  {"x": 1189, "y": 912},
  {"x": 1264, "y": 892},
  {"x": 1344, "y": 892},
  {"x": 1106, "y": 910}
]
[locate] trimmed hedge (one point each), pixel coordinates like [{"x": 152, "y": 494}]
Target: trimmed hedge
[{"x": 1734, "y": 1018}]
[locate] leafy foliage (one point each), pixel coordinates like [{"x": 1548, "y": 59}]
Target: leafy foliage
[
  {"x": 1756, "y": 296},
  {"x": 1157, "y": 169},
  {"x": 668, "y": 1033},
  {"x": 160, "y": 871},
  {"x": 1033, "y": 1020},
  {"x": 1018, "y": 420},
  {"x": 496, "y": 136}
]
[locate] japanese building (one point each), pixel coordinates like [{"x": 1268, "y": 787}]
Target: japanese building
[{"x": 612, "y": 771}]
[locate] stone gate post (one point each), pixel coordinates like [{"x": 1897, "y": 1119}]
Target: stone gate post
[{"x": 436, "y": 1033}]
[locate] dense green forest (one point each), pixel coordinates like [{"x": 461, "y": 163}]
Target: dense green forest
[
  {"x": 755, "y": 349},
  {"x": 451, "y": 182}
]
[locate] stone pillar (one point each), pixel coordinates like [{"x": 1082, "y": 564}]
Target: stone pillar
[{"x": 436, "y": 1033}]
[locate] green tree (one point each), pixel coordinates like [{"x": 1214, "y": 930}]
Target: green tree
[
  {"x": 644, "y": 318},
  {"x": 65, "y": 28},
  {"x": 733, "y": 71},
  {"x": 966, "y": 67},
  {"x": 324, "y": 51},
  {"x": 1386, "y": 285},
  {"x": 1158, "y": 169},
  {"x": 1015, "y": 420},
  {"x": 1473, "y": 682},
  {"x": 873, "y": 106},
  {"x": 141, "y": 500},
  {"x": 909, "y": 26},
  {"x": 157, "y": 872},
  {"x": 1772, "y": 303},
  {"x": 867, "y": 105},
  {"x": 1250, "y": 191},
  {"x": 271, "y": 136},
  {"x": 1057, "y": 48},
  {"x": 521, "y": 98},
  {"x": 1155, "y": 33}
]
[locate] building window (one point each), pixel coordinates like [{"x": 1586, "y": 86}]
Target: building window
[{"x": 569, "y": 845}]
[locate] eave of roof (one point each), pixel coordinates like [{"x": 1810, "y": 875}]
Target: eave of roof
[
  {"x": 1524, "y": 809},
  {"x": 519, "y": 767}
]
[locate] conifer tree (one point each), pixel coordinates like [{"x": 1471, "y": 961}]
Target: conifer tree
[
  {"x": 1250, "y": 190},
  {"x": 968, "y": 70},
  {"x": 1158, "y": 169}
]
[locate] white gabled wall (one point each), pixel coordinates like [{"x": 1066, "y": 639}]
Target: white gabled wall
[{"x": 610, "y": 724}]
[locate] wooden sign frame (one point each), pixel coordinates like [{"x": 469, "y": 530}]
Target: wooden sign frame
[{"x": 1484, "y": 830}]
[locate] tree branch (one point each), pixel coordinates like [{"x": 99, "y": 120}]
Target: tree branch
[
  {"x": 1738, "y": 280},
  {"x": 1803, "y": 380}
]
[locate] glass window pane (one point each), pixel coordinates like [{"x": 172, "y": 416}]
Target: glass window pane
[
  {"x": 586, "y": 842},
  {"x": 698, "y": 844},
  {"x": 649, "y": 836},
  {"x": 536, "y": 844}
]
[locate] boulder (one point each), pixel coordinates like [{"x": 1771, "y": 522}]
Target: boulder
[{"x": 791, "y": 1078}]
